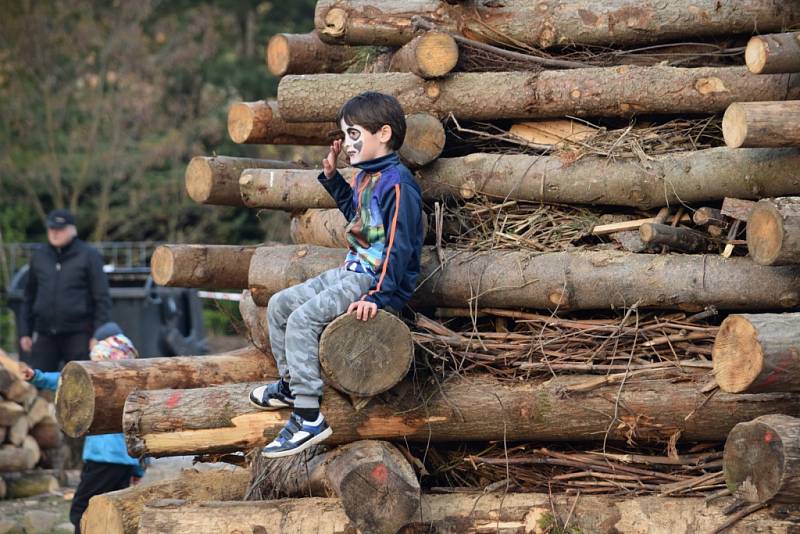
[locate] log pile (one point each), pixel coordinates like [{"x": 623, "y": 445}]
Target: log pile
[
  {"x": 591, "y": 316},
  {"x": 29, "y": 436}
]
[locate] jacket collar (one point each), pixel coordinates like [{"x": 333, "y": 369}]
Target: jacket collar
[{"x": 379, "y": 164}]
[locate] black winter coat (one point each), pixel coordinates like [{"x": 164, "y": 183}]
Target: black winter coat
[{"x": 67, "y": 291}]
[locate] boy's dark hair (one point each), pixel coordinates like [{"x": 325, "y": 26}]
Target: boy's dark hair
[{"x": 371, "y": 110}]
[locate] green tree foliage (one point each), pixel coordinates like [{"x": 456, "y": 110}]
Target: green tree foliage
[{"x": 103, "y": 103}]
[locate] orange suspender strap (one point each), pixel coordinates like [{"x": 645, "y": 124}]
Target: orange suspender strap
[{"x": 391, "y": 241}]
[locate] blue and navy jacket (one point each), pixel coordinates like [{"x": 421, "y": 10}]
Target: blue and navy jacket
[
  {"x": 383, "y": 206},
  {"x": 106, "y": 448}
]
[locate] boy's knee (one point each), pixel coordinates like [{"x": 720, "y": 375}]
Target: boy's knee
[{"x": 277, "y": 304}]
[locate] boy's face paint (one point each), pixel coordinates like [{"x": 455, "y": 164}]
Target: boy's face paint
[{"x": 361, "y": 145}]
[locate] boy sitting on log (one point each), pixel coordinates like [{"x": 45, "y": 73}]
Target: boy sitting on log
[
  {"x": 382, "y": 204},
  {"x": 106, "y": 463}
]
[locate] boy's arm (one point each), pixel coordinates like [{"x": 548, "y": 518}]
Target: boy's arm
[
  {"x": 45, "y": 380},
  {"x": 341, "y": 192},
  {"x": 401, "y": 208}
]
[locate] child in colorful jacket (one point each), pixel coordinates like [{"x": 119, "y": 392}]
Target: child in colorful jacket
[{"x": 107, "y": 466}]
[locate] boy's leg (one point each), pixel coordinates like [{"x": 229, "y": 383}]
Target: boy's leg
[
  {"x": 304, "y": 327},
  {"x": 97, "y": 478},
  {"x": 280, "y": 307}
]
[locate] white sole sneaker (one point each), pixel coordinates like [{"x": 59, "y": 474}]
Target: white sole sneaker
[{"x": 322, "y": 436}]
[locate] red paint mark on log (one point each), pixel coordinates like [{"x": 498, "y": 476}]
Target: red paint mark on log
[
  {"x": 768, "y": 437},
  {"x": 380, "y": 473},
  {"x": 173, "y": 399}
]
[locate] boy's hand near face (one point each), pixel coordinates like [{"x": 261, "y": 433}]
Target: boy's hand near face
[
  {"x": 365, "y": 310},
  {"x": 329, "y": 163},
  {"x": 27, "y": 372}
]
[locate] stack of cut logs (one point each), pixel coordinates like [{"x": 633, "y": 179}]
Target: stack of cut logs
[
  {"x": 585, "y": 239},
  {"x": 29, "y": 436}
]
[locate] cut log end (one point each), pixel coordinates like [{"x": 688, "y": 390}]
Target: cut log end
[
  {"x": 734, "y": 126},
  {"x": 199, "y": 180},
  {"x": 738, "y": 355},
  {"x": 75, "y": 401},
  {"x": 755, "y": 457},
  {"x": 246, "y": 118},
  {"x": 102, "y": 516},
  {"x": 365, "y": 359},
  {"x": 335, "y": 23},
  {"x": 278, "y": 51},
  {"x": 765, "y": 233},
  {"x": 424, "y": 142},
  {"x": 755, "y": 55},
  {"x": 436, "y": 54},
  {"x": 162, "y": 266}
]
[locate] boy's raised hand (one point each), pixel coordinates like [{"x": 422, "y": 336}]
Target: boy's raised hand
[
  {"x": 364, "y": 309},
  {"x": 27, "y": 372},
  {"x": 329, "y": 163}
]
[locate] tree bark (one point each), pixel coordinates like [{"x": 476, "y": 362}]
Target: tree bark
[
  {"x": 425, "y": 139},
  {"x": 119, "y": 512},
  {"x": 578, "y": 280},
  {"x": 375, "y": 483},
  {"x": 17, "y": 458},
  {"x": 468, "y": 513},
  {"x": 700, "y": 176},
  {"x": 758, "y": 353},
  {"x": 773, "y": 231},
  {"x": 430, "y": 55},
  {"x": 215, "y": 180},
  {"x": 261, "y": 123},
  {"x": 325, "y": 228},
  {"x": 605, "y": 92},
  {"x": 710, "y": 216},
  {"x": 168, "y": 423},
  {"x": 365, "y": 359},
  {"x": 39, "y": 410},
  {"x": 18, "y": 432},
  {"x": 10, "y": 413},
  {"x": 255, "y": 321},
  {"x": 47, "y": 434},
  {"x": 23, "y": 393},
  {"x": 774, "y": 53},
  {"x": 762, "y": 124},
  {"x": 762, "y": 459},
  {"x": 618, "y": 23},
  {"x": 29, "y": 484},
  {"x": 201, "y": 266},
  {"x": 305, "y": 53},
  {"x": 675, "y": 238},
  {"x": 92, "y": 394}
]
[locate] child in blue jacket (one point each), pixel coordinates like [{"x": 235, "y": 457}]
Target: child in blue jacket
[
  {"x": 106, "y": 463},
  {"x": 383, "y": 206}
]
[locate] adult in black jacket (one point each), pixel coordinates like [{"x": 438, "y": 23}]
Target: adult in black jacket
[{"x": 66, "y": 297}]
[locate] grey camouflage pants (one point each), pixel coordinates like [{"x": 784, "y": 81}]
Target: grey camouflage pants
[{"x": 297, "y": 315}]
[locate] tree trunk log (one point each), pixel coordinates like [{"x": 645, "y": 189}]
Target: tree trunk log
[
  {"x": 579, "y": 280},
  {"x": 430, "y": 55},
  {"x": 23, "y": 393},
  {"x": 261, "y": 123},
  {"x": 304, "y": 53},
  {"x": 118, "y": 512},
  {"x": 675, "y": 238},
  {"x": 10, "y": 413},
  {"x": 201, "y": 266},
  {"x": 39, "y": 410},
  {"x": 773, "y": 231},
  {"x": 168, "y": 423},
  {"x": 92, "y": 394},
  {"x": 762, "y": 459},
  {"x": 215, "y": 180},
  {"x": 29, "y": 484},
  {"x": 618, "y": 23},
  {"x": 758, "y": 353},
  {"x": 762, "y": 124},
  {"x": 710, "y": 216},
  {"x": 469, "y": 513},
  {"x": 700, "y": 176},
  {"x": 774, "y": 53},
  {"x": 373, "y": 480},
  {"x": 424, "y": 141},
  {"x": 255, "y": 321},
  {"x": 594, "y": 92},
  {"x": 365, "y": 359},
  {"x": 325, "y": 228},
  {"x": 18, "y": 432},
  {"x": 17, "y": 458},
  {"x": 47, "y": 434}
]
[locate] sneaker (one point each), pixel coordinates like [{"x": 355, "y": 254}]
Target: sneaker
[
  {"x": 297, "y": 436},
  {"x": 271, "y": 396}
]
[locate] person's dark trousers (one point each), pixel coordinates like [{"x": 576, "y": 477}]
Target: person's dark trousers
[
  {"x": 97, "y": 478},
  {"x": 50, "y": 350}
]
